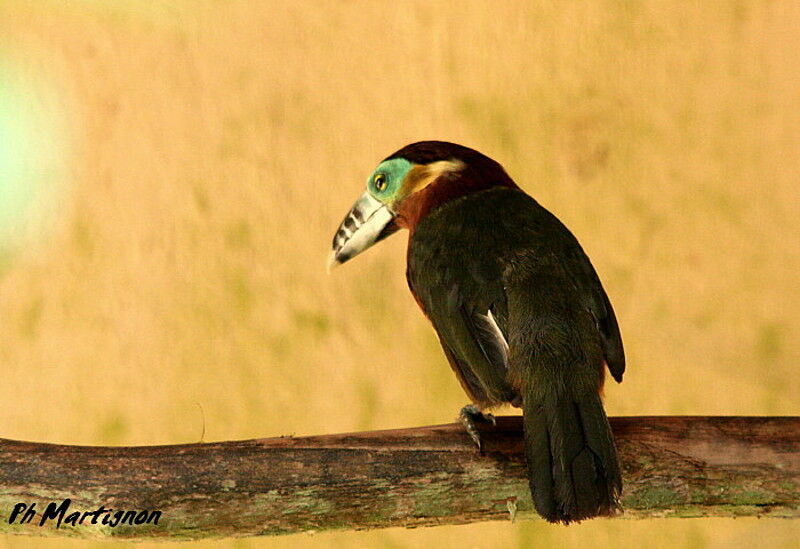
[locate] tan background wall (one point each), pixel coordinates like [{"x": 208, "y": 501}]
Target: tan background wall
[{"x": 192, "y": 159}]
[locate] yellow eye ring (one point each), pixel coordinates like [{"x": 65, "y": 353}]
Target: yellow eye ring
[{"x": 380, "y": 182}]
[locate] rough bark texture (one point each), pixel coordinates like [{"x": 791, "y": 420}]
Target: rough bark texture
[{"x": 672, "y": 466}]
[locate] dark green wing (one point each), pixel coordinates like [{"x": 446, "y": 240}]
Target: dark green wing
[
  {"x": 540, "y": 242},
  {"x": 459, "y": 257},
  {"x": 596, "y": 301},
  {"x": 469, "y": 334},
  {"x": 612, "y": 340},
  {"x": 462, "y": 294}
]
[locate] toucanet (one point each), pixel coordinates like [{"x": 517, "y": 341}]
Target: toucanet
[{"x": 519, "y": 310}]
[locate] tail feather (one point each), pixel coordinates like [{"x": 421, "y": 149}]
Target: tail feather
[{"x": 572, "y": 462}]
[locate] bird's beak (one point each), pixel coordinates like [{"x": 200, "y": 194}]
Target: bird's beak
[{"x": 369, "y": 221}]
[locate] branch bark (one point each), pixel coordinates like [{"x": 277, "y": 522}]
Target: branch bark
[{"x": 672, "y": 466}]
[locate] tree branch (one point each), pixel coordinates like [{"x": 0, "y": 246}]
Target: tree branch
[{"x": 672, "y": 466}]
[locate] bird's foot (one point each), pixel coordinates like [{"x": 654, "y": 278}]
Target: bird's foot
[{"x": 470, "y": 416}]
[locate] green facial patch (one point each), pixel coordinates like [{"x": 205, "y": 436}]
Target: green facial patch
[{"x": 388, "y": 178}]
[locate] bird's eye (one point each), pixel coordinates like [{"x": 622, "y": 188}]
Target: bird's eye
[{"x": 380, "y": 182}]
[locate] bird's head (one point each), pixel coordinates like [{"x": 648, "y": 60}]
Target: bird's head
[{"x": 408, "y": 185}]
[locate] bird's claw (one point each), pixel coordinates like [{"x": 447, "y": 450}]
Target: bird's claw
[{"x": 470, "y": 416}]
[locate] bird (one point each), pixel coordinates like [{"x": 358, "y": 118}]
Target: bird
[{"x": 520, "y": 312}]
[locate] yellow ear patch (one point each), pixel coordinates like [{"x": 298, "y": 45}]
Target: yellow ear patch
[{"x": 420, "y": 177}]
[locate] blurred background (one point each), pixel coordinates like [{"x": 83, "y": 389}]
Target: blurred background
[{"x": 172, "y": 173}]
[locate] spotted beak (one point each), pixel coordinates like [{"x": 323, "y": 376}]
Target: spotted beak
[{"x": 369, "y": 221}]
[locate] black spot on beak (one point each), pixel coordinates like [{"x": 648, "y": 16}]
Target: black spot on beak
[
  {"x": 343, "y": 257},
  {"x": 338, "y": 238}
]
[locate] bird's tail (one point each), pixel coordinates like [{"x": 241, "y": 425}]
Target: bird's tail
[{"x": 572, "y": 462}]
